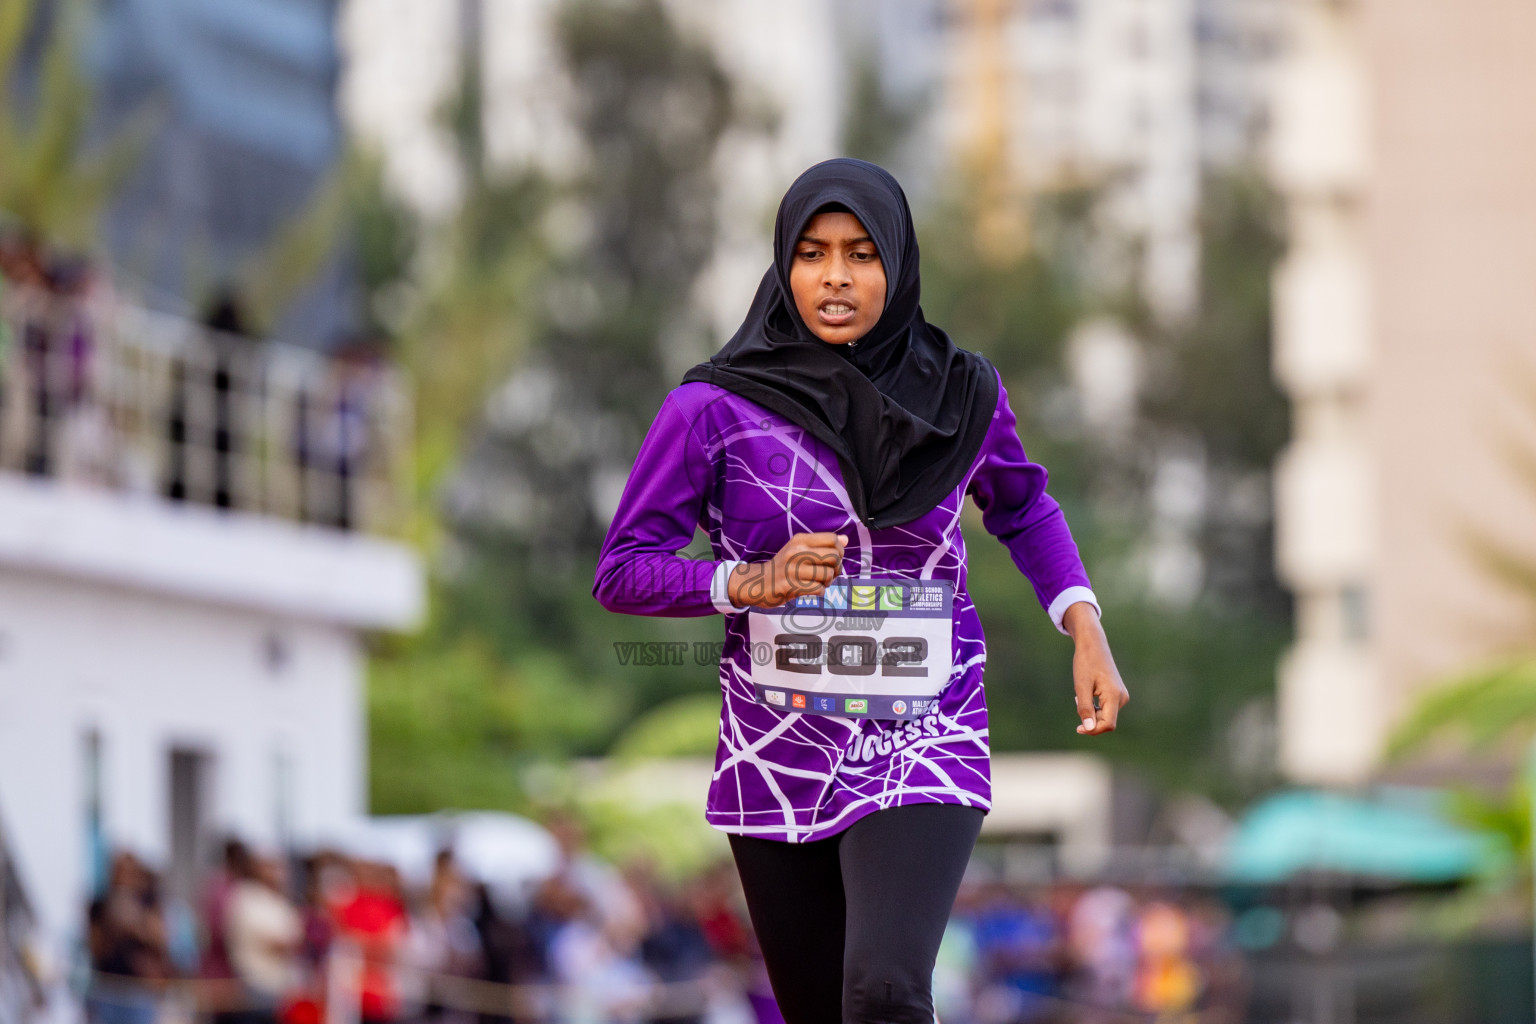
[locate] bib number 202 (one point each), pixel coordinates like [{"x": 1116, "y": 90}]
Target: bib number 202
[{"x": 843, "y": 655}]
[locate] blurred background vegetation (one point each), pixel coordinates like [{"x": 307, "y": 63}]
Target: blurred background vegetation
[{"x": 559, "y": 313}]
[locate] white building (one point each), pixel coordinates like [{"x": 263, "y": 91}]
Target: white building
[
  {"x": 400, "y": 64},
  {"x": 172, "y": 673}
]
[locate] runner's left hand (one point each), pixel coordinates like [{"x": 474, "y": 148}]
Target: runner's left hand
[{"x": 1098, "y": 690}]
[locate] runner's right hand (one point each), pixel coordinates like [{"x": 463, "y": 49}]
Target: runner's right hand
[{"x": 803, "y": 566}]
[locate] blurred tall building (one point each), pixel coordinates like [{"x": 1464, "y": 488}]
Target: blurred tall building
[
  {"x": 1406, "y": 337},
  {"x": 1137, "y": 99},
  {"x": 241, "y": 95}
]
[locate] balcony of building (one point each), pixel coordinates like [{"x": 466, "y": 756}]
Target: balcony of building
[
  {"x": 103, "y": 394},
  {"x": 147, "y": 450}
]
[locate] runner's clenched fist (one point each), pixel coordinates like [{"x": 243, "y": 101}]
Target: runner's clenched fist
[{"x": 803, "y": 566}]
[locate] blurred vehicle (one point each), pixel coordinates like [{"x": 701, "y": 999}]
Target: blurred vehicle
[{"x": 509, "y": 853}]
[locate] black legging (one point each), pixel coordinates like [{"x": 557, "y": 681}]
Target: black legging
[{"x": 850, "y": 926}]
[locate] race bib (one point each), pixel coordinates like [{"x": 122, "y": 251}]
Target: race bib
[{"x": 865, "y": 647}]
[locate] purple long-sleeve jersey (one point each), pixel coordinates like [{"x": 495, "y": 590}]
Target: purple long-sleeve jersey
[{"x": 752, "y": 479}]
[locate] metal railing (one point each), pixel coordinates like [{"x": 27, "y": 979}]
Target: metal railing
[
  {"x": 334, "y": 995},
  {"x": 334, "y": 999},
  {"x": 103, "y": 393}
]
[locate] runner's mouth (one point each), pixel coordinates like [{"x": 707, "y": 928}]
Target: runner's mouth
[{"x": 835, "y": 312}]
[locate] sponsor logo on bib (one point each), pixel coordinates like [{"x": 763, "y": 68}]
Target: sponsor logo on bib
[
  {"x": 856, "y": 706},
  {"x": 774, "y": 697},
  {"x": 899, "y": 706}
]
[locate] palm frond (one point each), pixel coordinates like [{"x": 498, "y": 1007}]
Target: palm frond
[
  {"x": 273, "y": 278},
  {"x": 50, "y": 181},
  {"x": 99, "y": 174},
  {"x": 1480, "y": 709},
  {"x": 15, "y": 16},
  {"x": 64, "y": 97}
]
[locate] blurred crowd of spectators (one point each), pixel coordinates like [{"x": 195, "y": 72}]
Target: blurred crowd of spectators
[
  {"x": 1087, "y": 954},
  {"x": 591, "y": 943},
  {"x": 270, "y": 944}
]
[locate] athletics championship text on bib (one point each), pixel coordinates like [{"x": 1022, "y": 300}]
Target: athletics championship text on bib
[{"x": 865, "y": 647}]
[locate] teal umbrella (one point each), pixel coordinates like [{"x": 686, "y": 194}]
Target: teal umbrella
[{"x": 1396, "y": 835}]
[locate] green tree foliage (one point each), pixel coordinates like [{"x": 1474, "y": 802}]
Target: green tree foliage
[
  {"x": 452, "y": 720},
  {"x": 629, "y": 236},
  {"x": 876, "y": 124},
  {"x": 1193, "y": 672},
  {"x": 474, "y": 321},
  {"x": 582, "y": 291},
  {"x": 588, "y": 285},
  {"x": 453, "y": 724},
  {"x": 1213, "y": 375},
  {"x": 1478, "y": 710},
  {"x": 615, "y": 325},
  {"x": 1491, "y": 710}
]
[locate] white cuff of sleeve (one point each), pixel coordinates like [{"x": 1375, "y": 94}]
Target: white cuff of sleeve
[
  {"x": 1066, "y": 599},
  {"x": 719, "y": 592}
]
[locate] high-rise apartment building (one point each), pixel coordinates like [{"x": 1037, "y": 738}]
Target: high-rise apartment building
[
  {"x": 1405, "y": 323},
  {"x": 1138, "y": 99},
  {"x": 241, "y": 97}
]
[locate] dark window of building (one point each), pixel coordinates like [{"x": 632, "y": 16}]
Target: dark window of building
[{"x": 190, "y": 772}]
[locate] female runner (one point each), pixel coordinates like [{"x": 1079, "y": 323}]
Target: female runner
[{"x": 827, "y": 450}]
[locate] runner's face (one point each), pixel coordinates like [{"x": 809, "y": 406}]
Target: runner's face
[{"x": 837, "y": 279}]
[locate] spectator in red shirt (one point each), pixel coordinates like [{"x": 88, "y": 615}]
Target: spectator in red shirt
[{"x": 372, "y": 918}]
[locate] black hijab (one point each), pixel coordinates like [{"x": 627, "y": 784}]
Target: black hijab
[{"x": 905, "y": 410}]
